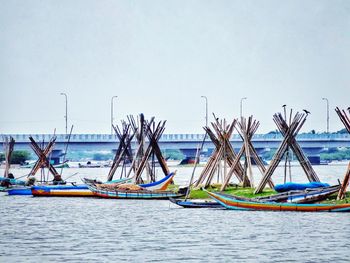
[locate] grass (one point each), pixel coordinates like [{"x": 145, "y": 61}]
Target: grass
[
  {"x": 235, "y": 190},
  {"x": 333, "y": 199},
  {"x": 249, "y": 192}
]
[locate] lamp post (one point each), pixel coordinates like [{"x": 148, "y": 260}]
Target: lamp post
[
  {"x": 327, "y": 113},
  {"x": 112, "y": 118},
  {"x": 206, "y": 110},
  {"x": 241, "y": 106},
  {"x": 66, "y": 116}
]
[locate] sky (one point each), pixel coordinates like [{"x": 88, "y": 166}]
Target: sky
[{"x": 160, "y": 57}]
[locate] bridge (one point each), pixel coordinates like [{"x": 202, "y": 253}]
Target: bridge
[{"x": 312, "y": 144}]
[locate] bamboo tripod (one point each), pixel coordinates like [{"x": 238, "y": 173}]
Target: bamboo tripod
[
  {"x": 289, "y": 132},
  {"x": 246, "y": 130},
  {"x": 146, "y": 135},
  {"x": 223, "y": 155},
  {"x": 43, "y": 161},
  {"x": 346, "y": 121}
]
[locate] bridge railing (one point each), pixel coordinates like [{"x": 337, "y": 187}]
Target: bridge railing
[{"x": 86, "y": 138}]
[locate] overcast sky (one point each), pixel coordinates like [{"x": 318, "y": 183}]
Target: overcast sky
[{"x": 160, "y": 57}]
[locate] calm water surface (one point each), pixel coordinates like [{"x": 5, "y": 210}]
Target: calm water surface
[{"x": 90, "y": 229}]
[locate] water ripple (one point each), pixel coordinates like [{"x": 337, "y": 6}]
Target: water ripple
[{"x": 90, "y": 230}]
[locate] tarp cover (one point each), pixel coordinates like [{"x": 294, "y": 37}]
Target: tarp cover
[{"x": 295, "y": 186}]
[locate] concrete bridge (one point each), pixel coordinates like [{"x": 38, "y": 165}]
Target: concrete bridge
[{"x": 312, "y": 144}]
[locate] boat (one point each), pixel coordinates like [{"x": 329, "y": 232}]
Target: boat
[
  {"x": 195, "y": 204},
  {"x": 11, "y": 181},
  {"x": 301, "y": 196},
  {"x": 116, "y": 181},
  {"x": 230, "y": 202},
  {"x": 89, "y": 164},
  {"x": 84, "y": 191},
  {"x": 62, "y": 191},
  {"x": 27, "y": 189},
  {"x": 61, "y": 165},
  {"x": 160, "y": 185},
  {"x": 131, "y": 191}
]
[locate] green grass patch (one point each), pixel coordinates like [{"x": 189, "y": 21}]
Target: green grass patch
[
  {"x": 249, "y": 192},
  {"x": 240, "y": 191},
  {"x": 333, "y": 199}
]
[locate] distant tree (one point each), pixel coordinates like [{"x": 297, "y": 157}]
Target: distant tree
[
  {"x": 102, "y": 156},
  {"x": 273, "y": 132},
  {"x": 173, "y": 154},
  {"x": 336, "y": 154},
  {"x": 269, "y": 154},
  {"x": 19, "y": 157},
  {"x": 2, "y": 157},
  {"x": 342, "y": 131}
]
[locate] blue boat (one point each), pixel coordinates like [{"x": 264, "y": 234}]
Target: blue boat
[
  {"x": 195, "y": 204},
  {"x": 62, "y": 191},
  {"x": 28, "y": 190}
]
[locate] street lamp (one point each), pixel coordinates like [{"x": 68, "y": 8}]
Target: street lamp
[
  {"x": 206, "y": 110},
  {"x": 241, "y": 105},
  {"x": 112, "y": 113},
  {"x": 327, "y": 113},
  {"x": 66, "y": 116}
]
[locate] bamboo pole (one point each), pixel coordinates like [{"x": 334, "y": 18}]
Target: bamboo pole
[
  {"x": 8, "y": 148},
  {"x": 345, "y": 184},
  {"x": 291, "y": 132}
]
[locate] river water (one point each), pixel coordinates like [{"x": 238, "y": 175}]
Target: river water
[{"x": 92, "y": 229}]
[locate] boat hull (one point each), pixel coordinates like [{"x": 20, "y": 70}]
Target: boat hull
[
  {"x": 146, "y": 195},
  {"x": 298, "y": 196},
  {"x": 19, "y": 191},
  {"x": 61, "y": 191},
  {"x": 232, "y": 203},
  {"x": 195, "y": 204}
]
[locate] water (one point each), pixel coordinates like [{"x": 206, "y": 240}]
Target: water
[{"x": 90, "y": 229}]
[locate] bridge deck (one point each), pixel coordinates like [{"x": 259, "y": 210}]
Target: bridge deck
[{"x": 108, "y": 138}]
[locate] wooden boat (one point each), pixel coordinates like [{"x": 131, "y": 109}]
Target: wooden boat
[
  {"x": 195, "y": 204},
  {"x": 62, "y": 191},
  {"x": 117, "y": 181},
  {"x": 299, "y": 197},
  {"x": 231, "y": 202},
  {"x": 160, "y": 185},
  {"x": 68, "y": 190},
  {"x": 11, "y": 181},
  {"x": 82, "y": 190},
  {"x": 302, "y": 196},
  {"x": 124, "y": 192}
]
